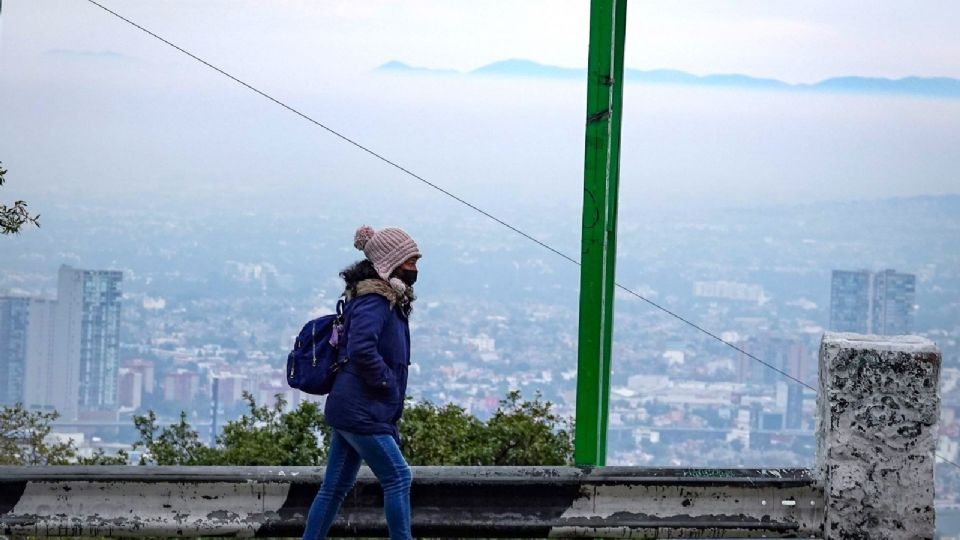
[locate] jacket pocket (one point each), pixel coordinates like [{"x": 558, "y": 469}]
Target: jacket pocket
[{"x": 383, "y": 403}]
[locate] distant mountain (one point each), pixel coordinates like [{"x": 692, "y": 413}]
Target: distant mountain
[
  {"x": 528, "y": 68},
  {"x": 669, "y": 76},
  {"x": 920, "y": 86},
  {"x": 942, "y": 87},
  {"x": 399, "y": 67}
]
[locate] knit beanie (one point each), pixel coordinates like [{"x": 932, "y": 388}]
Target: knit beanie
[{"x": 386, "y": 249}]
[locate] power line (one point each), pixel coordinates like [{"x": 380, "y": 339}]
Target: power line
[
  {"x": 441, "y": 190},
  {"x": 945, "y": 460}
]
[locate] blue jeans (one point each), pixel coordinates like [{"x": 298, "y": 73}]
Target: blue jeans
[{"x": 385, "y": 460}]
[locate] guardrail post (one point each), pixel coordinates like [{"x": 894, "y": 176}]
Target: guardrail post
[{"x": 878, "y": 408}]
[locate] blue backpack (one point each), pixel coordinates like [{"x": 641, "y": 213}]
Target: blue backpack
[{"x": 316, "y": 356}]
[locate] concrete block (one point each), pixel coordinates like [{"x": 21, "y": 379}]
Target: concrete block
[{"x": 878, "y": 408}]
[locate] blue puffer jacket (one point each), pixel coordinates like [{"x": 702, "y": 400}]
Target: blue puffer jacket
[{"x": 368, "y": 393}]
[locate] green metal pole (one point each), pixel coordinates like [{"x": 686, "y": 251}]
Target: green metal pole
[{"x": 599, "y": 244}]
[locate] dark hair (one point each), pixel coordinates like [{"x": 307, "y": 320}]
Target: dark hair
[
  {"x": 357, "y": 272},
  {"x": 361, "y": 270}
]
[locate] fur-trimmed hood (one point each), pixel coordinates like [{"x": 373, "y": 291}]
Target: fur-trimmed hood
[{"x": 381, "y": 287}]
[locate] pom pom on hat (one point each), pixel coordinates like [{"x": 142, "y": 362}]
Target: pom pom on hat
[{"x": 362, "y": 236}]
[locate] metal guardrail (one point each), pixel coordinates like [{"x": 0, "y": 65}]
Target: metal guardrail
[{"x": 558, "y": 502}]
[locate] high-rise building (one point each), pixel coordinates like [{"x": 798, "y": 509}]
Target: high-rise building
[
  {"x": 850, "y": 301},
  {"x": 893, "y": 298},
  {"x": 26, "y": 349},
  {"x": 145, "y": 369},
  {"x": 88, "y": 333},
  {"x": 13, "y": 347},
  {"x": 41, "y": 364},
  {"x": 230, "y": 389},
  {"x": 130, "y": 392},
  {"x": 181, "y": 386},
  {"x": 787, "y": 354},
  {"x": 869, "y": 303}
]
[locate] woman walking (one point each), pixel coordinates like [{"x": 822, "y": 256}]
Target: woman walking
[{"x": 366, "y": 401}]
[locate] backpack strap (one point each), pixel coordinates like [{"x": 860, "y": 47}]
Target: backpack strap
[
  {"x": 336, "y": 336},
  {"x": 339, "y": 334}
]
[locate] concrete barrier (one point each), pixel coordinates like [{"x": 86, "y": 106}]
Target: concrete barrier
[{"x": 607, "y": 502}]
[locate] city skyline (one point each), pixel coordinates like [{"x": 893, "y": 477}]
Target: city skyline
[
  {"x": 516, "y": 335},
  {"x": 62, "y": 354}
]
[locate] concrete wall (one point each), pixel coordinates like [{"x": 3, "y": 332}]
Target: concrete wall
[
  {"x": 458, "y": 502},
  {"x": 878, "y": 408}
]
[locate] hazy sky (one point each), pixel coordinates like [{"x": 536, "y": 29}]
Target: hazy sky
[
  {"x": 794, "y": 41},
  {"x": 91, "y": 106}
]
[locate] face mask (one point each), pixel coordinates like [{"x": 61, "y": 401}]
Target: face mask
[{"x": 407, "y": 276}]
